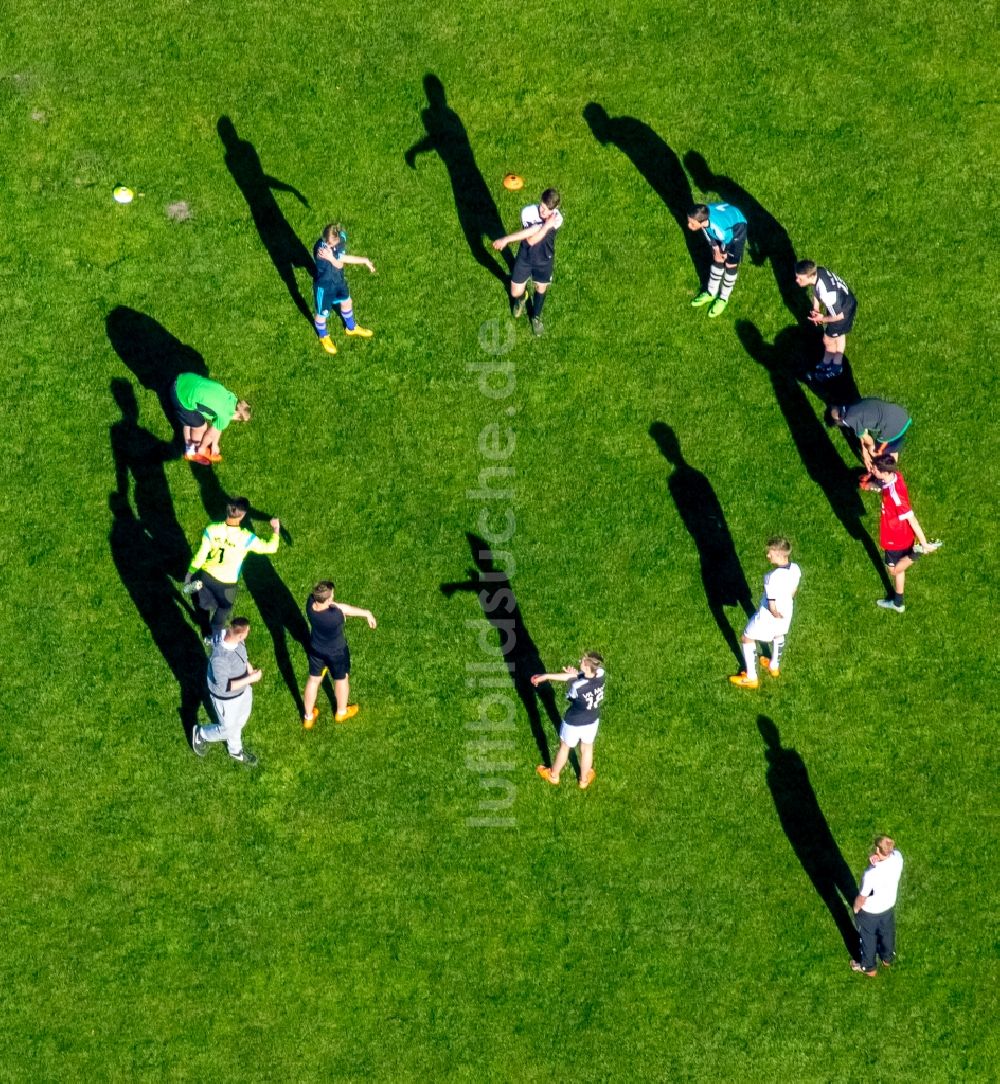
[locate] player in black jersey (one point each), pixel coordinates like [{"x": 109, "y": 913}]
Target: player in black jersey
[
  {"x": 579, "y": 726},
  {"x": 330, "y": 285},
  {"x": 328, "y": 652},
  {"x": 535, "y": 256},
  {"x": 833, "y": 294}
]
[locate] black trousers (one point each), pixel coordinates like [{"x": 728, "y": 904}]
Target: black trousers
[
  {"x": 878, "y": 937},
  {"x": 218, "y": 596}
]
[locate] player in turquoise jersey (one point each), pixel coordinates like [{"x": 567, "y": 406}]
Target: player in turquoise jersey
[
  {"x": 330, "y": 285},
  {"x": 725, "y": 230},
  {"x": 219, "y": 560},
  {"x": 204, "y": 408}
]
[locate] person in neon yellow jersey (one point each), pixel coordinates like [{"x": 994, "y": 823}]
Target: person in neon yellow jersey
[
  {"x": 219, "y": 561},
  {"x": 204, "y": 408}
]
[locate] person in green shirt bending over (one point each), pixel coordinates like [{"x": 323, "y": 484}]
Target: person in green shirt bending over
[
  {"x": 204, "y": 408},
  {"x": 214, "y": 571}
]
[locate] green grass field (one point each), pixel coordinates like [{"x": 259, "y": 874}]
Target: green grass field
[{"x": 344, "y": 912}]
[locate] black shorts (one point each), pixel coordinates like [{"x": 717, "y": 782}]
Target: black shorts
[
  {"x": 893, "y": 557},
  {"x": 216, "y": 595},
  {"x": 192, "y": 418},
  {"x": 734, "y": 250},
  {"x": 842, "y": 327},
  {"x": 339, "y": 664},
  {"x": 525, "y": 267}
]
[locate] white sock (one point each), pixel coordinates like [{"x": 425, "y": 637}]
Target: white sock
[
  {"x": 750, "y": 660},
  {"x": 714, "y": 279},
  {"x": 728, "y": 282},
  {"x": 777, "y": 644}
]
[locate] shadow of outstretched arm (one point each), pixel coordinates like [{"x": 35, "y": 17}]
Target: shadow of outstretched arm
[{"x": 492, "y": 587}]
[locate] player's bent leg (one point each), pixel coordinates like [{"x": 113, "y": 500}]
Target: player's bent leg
[
  {"x": 517, "y": 298},
  {"x": 718, "y": 306}
]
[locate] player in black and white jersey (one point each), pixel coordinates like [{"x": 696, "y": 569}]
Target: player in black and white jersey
[
  {"x": 832, "y": 293},
  {"x": 579, "y": 726},
  {"x": 535, "y": 256}
]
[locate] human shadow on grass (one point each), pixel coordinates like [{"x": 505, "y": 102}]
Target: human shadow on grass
[
  {"x": 477, "y": 211},
  {"x": 151, "y": 554},
  {"x": 282, "y": 243},
  {"x": 808, "y": 832},
  {"x": 817, "y": 451},
  {"x": 722, "y": 574},
  {"x": 155, "y": 356},
  {"x": 767, "y": 239},
  {"x": 492, "y": 586},
  {"x": 659, "y": 166},
  {"x": 278, "y": 609}
]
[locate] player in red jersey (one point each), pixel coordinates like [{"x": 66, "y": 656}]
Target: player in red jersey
[{"x": 900, "y": 534}]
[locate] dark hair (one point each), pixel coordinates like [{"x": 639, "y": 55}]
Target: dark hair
[
  {"x": 237, "y": 506},
  {"x": 551, "y": 198},
  {"x": 885, "y": 463},
  {"x": 780, "y": 543},
  {"x": 323, "y": 590},
  {"x": 238, "y": 624},
  {"x": 805, "y": 267},
  {"x": 699, "y": 212},
  {"x": 835, "y": 415}
]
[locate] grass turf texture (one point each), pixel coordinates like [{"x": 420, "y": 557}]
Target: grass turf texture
[{"x": 334, "y": 914}]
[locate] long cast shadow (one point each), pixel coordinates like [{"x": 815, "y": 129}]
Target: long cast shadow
[
  {"x": 767, "y": 239},
  {"x": 150, "y": 552},
  {"x": 155, "y": 356},
  {"x": 722, "y": 574},
  {"x": 808, "y": 832},
  {"x": 817, "y": 451},
  {"x": 275, "y": 603},
  {"x": 492, "y": 587},
  {"x": 282, "y": 243},
  {"x": 658, "y": 164},
  {"x": 477, "y": 211}
]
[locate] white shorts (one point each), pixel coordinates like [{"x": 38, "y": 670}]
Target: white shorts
[
  {"x": 573, "y": 735},
  {"x": 764, "y": 626}
]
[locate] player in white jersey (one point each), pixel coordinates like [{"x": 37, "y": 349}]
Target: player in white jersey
[
  {"x": 770, "y": 624},
  {"x": 830, "y": 292},
  {"x": 535, "y": 255}
]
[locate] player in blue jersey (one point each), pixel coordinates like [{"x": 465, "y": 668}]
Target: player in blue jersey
[
  {"x": 535, "y": 255},
  {"x": 579, "y": 727},
  {"x": 726, "y": 231},
  {"x": 330, "y": 284}
]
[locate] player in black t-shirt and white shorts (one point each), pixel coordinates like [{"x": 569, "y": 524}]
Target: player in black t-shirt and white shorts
[
  {"x": 832, "y": 293},
  {"x": 535, "y": 256},
  {"x": 328, "y": 652},
  {"x": 579, "y": 726}
]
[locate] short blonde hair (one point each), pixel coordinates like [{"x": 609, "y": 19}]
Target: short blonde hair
[
  {"x": 592, "y": 659},
  {"x": 885, "y": 845}
]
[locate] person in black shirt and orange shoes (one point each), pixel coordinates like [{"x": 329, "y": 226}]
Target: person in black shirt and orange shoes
[{"x": 328, "y": 651}]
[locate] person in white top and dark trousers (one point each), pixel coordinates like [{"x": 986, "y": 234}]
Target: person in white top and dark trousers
[{"x": 875, "y": 907}]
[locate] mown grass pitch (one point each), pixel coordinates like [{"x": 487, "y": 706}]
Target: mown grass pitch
[{"x": 344, "y": 913}]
